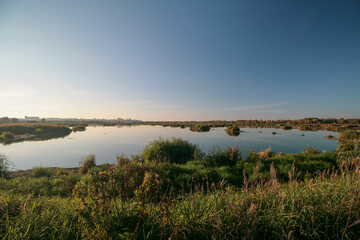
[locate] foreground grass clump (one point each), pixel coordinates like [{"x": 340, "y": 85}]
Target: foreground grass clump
[
  {"x": 113, "y": 204},
  {"x": 349, "y": 141},
  {"x": 38, "y": 172},
  {"x": 87, "y": 163},
  {"x": 175, "y": 150},
  {"x": 267, "y": 153}
]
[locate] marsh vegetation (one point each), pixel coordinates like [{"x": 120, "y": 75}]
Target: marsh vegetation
[
  {"x": 174, "y": 190},
  {"x": 18, "y": 132},
  {"x": 200, "y": 128}
]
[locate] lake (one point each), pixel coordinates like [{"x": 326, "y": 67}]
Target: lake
[{"x": 107, "y": 142}]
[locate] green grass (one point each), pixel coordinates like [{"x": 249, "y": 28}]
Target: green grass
[{"x": 215, "y": 195}]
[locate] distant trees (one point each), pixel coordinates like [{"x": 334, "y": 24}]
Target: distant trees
[
  {"x": 8, "y": 120},
  {"x": 4, "y": 120}
]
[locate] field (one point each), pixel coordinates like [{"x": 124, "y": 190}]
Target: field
[{"x": 173, "y": 190}]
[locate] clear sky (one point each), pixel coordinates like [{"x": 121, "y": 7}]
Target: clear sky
[{"x": 180, "y": 60}]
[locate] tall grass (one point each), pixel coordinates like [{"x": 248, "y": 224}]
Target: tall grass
[{"x": 218, "y": 195}]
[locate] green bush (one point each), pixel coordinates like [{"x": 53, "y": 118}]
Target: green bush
[
  {"x": 349, "y": 141},
  {"x": 267, "y": 153},
  {"x": 310, "y": 150},
  {"x": 5, "y": 165},
  {"x": 40, "y": 171},
  {"x": 87, "y": 163},
  {"x": 175, "y": 150}
]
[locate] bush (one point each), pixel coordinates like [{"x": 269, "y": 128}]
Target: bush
[
  {"x": 251, "y": 155},
  {"x": 175, "y": 150},
  {"x": 349, "y": 141},
  {"x": 5, "y": 165},
  {"x": 310, "y": 150},
  {"x": 267, "y": 153},
  {"x": 87, "y": 163},
  {"x": 122, "y": 160},
  {"x": 40, "y": 171}
]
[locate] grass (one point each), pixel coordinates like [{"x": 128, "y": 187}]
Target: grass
[
  {"x": 215, "y": 195},
  {"x": 87, "y": 163}
]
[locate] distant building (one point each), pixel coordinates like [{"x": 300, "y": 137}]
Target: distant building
[{"x": 32, "y": 118}]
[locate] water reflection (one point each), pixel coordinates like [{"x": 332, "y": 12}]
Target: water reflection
[{"x": 233, "y": 134}]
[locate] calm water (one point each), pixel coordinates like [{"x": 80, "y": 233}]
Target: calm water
[{"x": 107, "y": 142}]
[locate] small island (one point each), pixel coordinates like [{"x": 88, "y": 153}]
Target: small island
[
  {"x": 233, "y": 131},
  {"x": 200, "y": 128}
]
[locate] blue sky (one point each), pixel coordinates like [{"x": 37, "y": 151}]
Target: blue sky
[{"x": 180, "y": 60}]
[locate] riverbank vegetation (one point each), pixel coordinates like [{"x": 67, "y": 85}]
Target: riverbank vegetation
[
  {"x": 17, "y": 132},
  {"x": 174, "y": 190}
]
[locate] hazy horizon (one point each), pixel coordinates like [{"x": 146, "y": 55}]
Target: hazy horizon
[{"x": 180, "y": 60}]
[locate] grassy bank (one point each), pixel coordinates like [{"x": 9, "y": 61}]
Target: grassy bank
[
  {"x": 17, "y": 132},
  {"x": 173, "y": 190}
]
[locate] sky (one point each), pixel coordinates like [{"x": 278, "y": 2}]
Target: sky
[{"x": 180, "y": 60}]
